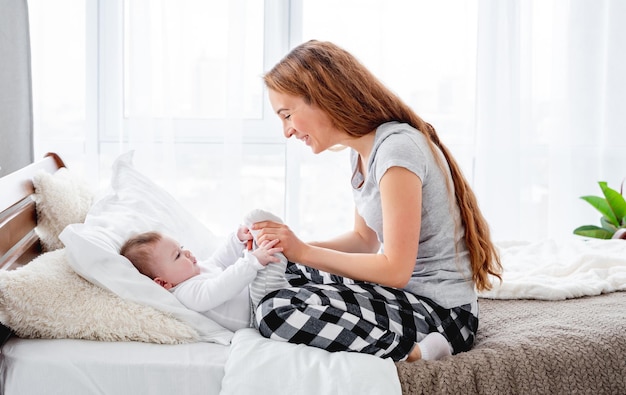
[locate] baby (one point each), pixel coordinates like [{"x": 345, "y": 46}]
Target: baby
[{"x": 228, "y": 286}]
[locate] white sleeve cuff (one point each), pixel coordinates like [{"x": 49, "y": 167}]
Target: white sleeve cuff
[{"x": 253, "y": 261}]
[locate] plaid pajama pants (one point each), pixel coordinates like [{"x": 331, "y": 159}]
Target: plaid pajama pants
[{"x": 337, "y": 314}]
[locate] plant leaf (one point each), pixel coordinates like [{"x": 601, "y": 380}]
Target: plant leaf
[
  {"x": 607, "y": 225},
  {"x": 603, "y": 207},
  {"x": 616, "y": 202},
  {"x": 593, "y": 231}
]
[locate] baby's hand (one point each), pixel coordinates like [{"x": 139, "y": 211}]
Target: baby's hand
[
  {"x": 243, "y": 234},
  {"x": 265, "y": 252}
]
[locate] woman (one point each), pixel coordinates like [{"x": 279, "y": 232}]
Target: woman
[{"x": 420, "y": 247}]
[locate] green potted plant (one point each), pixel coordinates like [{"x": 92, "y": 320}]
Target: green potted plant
[{"x": 613, "y": 209}]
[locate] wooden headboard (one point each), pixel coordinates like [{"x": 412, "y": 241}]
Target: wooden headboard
[{"x": 19, "y": 243}]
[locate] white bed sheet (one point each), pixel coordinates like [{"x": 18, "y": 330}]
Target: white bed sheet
[
  {"x": 65, "y": 366},
  {"x": 261, "y": 366}
]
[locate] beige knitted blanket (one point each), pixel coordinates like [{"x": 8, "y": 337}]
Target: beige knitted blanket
[{"x": 574, "y": 346}]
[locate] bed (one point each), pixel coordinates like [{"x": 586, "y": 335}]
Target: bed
[
  {"x": 556, "y": 325},
  {"x": 77, "y": 318}
]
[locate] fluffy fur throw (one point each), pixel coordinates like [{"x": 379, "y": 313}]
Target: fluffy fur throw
[
  {"x": 62, "y": 198},
  {"x": 47, "y": 299}
]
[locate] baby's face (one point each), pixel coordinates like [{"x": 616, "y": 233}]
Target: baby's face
[{"x": 172, "y": 264}]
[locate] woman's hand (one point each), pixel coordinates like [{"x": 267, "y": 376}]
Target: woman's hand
[{"x": 292, "y": 246}]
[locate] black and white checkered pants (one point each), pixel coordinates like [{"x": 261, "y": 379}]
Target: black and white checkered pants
[{"x": 338, "y": 314}]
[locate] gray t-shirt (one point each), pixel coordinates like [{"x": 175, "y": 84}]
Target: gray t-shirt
[{"x": 442, "y": 269}]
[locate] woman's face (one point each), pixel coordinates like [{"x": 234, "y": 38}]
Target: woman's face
[{"x": 307, "y": 123}]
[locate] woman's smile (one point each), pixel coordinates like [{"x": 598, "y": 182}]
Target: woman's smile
[{"x": 296, "y": 116}]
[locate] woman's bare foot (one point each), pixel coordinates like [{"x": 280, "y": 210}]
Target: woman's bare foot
[
  {"x": 433, "y": 347},
  {"x": 415, "y": 354}
]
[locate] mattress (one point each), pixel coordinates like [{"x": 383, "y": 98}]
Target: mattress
[{"x": 41, "y": 366}]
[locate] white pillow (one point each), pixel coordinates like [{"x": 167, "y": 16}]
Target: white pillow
[
  {"x": 47, "y": 299},
  {"x": 257, "y": 365},
  {"x": 61, "y": 199},
  {"x": 135, "y": 204}
]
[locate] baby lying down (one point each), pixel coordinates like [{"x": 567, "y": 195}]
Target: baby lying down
[{"x": 228, "y": 286}]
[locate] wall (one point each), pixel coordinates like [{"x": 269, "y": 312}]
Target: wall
[{"x": 16, "y": 121}]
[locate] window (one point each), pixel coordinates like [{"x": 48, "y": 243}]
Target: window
[
  {"x": 180, "y": 84},
  {"x": 525, "y": 94},
  {"x": 201, "y": 62},
  {"x": 425, "y": 51},
  {"x": 59, "y": 59}
]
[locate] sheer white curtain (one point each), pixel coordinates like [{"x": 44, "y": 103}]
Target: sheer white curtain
[
  {"x": 196, "y": 113},
  {"x": 192, "y": 105},
  {"x": 550, "y": 92},
  {"x": 528, "y": 95}
]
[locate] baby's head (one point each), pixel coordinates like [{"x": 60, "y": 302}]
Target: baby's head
[{"x": 161, "y": 258}]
